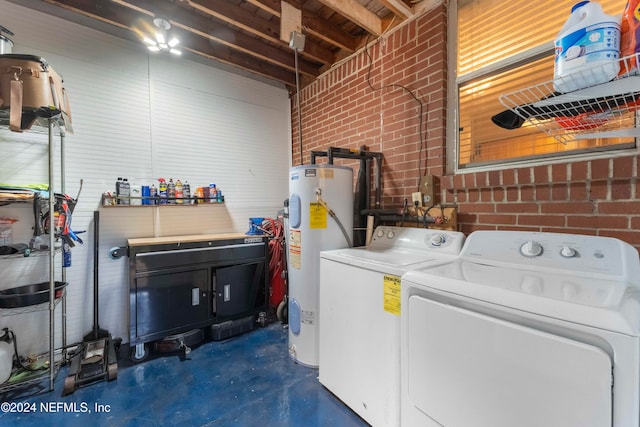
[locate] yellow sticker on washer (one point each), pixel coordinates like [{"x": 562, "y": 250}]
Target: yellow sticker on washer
[
  {"x": 317, "y": 216},
  {"x": 392, "y": 294}
]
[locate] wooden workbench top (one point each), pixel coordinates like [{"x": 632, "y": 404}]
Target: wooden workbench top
[{"x": 184, "y": 239}]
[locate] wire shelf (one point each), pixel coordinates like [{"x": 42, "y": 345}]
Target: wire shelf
[{"x": 607, "y": 110}]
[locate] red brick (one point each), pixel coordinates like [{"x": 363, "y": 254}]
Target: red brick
[
  {"x": 541, "y": 174},
  {"x": 494, "y": 178},
  {"x": 524, "y": 176},
  {"x": 518, "y": 228},
  {"x": 623, "y": 167},
  {"x": 621, "y": 189},
  {"x": 559, "y": 192},
  {"x": 467, "y": 218},
  {"x": 635, "y": 223},
  {"x": 512, "y": 194},
  {"x": 543, "y": 193},
  {"x": 600, "y": 169},
  {"x": 567, "y": 208},
  {"x": 470, "y": 228},
  {"x": 579, "y": 171},
  {"x": 473, "y": 195},
  {"x": 486, "y": 195},
  {"x": 517, "y": 208},
  {"x": 496, "y": 219},
  {"x": 461, "y": 196},
  {"x": 597, "y": 221},
  {"x": 527, "y": 193},
  {"x": 498, "y": 194},
  {"x": 476, "y": 207},
  {"x": 559, "y": 172},
  {"x": 599, "y": 190},
  {"x": 617, "y": 208},
  {"x": 578, "y": 191},
  {"x": 542, "y": 220},
  {"x": 508, "y": 177},
  {"x": 481, "y": 179}
]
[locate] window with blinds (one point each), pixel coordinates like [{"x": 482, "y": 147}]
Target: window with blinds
[{"x": 504, "y": 47}]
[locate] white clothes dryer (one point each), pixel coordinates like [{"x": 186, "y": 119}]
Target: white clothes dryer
[
  {"x": 360, "y": 316},
  {"x": 524, "y": 329}
]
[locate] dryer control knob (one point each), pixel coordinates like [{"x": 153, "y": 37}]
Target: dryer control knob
[
  {"x": 380, "y": 233},
  {"x": 437, "y": 240},
  {"x": 532, "y": 285},
  {"x": 531, "y": 248},
  {"x": 391, "y": 235},
  {"x": 567, "y": 252}
]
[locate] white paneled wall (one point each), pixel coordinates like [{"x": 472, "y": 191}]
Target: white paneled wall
[{"x": 142, "y": 117}]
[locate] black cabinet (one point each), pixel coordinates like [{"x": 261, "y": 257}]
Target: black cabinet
[{"x": 186, "y": 282}]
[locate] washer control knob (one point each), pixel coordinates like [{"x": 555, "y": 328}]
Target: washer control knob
[
  {"x": 437, "y": 240},
  {"x": 380, "y": 232},
  {"x": 532, "y": 285},
  {"x": 391, "y": 234},
  {"x": 569, "y": 290},
  {"x": 567, "y": 252},
  {"x": 531, "y": 248}
]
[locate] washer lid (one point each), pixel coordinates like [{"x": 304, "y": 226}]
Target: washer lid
[{"x": 607, "y": 304}]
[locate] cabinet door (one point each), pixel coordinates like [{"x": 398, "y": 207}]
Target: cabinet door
[
  {"x": 238, "y": 290},
  {"x": 170, "y": 302}
]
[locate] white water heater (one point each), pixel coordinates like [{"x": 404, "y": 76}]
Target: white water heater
[{"x": 320, "y": 218}]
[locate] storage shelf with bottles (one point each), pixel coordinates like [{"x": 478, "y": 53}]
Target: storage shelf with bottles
[
  {"x": 606, "y": 110},
  {"x": 110, "y": 201}
]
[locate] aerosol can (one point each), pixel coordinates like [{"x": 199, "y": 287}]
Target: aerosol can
[{"x": 162, "y": 191}]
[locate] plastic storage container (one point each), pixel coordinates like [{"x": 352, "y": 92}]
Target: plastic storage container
[{"x": 587, "y": 48}]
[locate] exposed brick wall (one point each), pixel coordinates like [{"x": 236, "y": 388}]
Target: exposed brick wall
[{"x": 600, "y": 196}]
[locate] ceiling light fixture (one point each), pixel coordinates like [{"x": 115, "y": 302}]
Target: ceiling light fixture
[{"x": 162, "y": 42}]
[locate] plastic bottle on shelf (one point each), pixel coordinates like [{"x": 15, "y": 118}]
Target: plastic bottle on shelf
[
  {"x": 162, "y": 191},
  {"x": 125, "y": 191},
  {"x": 213, "y": 193},
  {"x": 186, "y": 189},
  {"x": 171, "y": 192},
  {"x": 136, "y": 194},
  {"x": 153, "y": 195},
  {"x": 587, "y": 48},
  {"x": 630, "y": 38},
  {"x": 179, "y": 192},
  {"x": 118, "y": 190},
  {"x": 219, "y": 196}
]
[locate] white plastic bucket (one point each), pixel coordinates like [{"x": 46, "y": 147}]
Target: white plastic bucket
[{"x": 587, "y": 49}]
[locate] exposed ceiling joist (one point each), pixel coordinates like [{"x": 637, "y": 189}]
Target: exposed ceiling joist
[{"x": 246, "y": 33}]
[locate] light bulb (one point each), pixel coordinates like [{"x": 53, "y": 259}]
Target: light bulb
[
  {"x": 173, "y": 42},
  {"x": 154, "y": 48},
  {"x": 175, "y": 51},
  {"x": 160, "y": 38}
]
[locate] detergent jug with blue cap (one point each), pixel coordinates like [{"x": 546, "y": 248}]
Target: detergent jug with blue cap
[{"x": 587, "y": 49}]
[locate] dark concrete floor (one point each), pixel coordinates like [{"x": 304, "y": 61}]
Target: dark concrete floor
[{"x": 247, "y": 380}]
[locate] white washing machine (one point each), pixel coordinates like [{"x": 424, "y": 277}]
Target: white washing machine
[
  {"x": 360, "y": 316},
  {"x": 524, "y": 329}
]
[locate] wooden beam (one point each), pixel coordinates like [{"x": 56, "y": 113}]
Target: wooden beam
[
  {"x": 357, "y": 13},
  {"x": 207, "y": 28},
  {"x": 398, "y": 7},
  {"x": 120, "y": 16},
  {"x": 253, "y": 24},
  {"x": 312, "y": 25},
  {"x": 426, "y": 5}
]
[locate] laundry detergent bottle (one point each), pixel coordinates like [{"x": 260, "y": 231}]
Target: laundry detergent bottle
[{"x": 587, "y": 49}]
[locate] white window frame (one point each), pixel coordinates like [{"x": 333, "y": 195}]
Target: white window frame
[{"x": 453, "y": 83}]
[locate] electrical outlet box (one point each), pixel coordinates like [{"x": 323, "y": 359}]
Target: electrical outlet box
[
  {"x": 416, "y": 198},
  {"x": 428, "y": 189}
]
